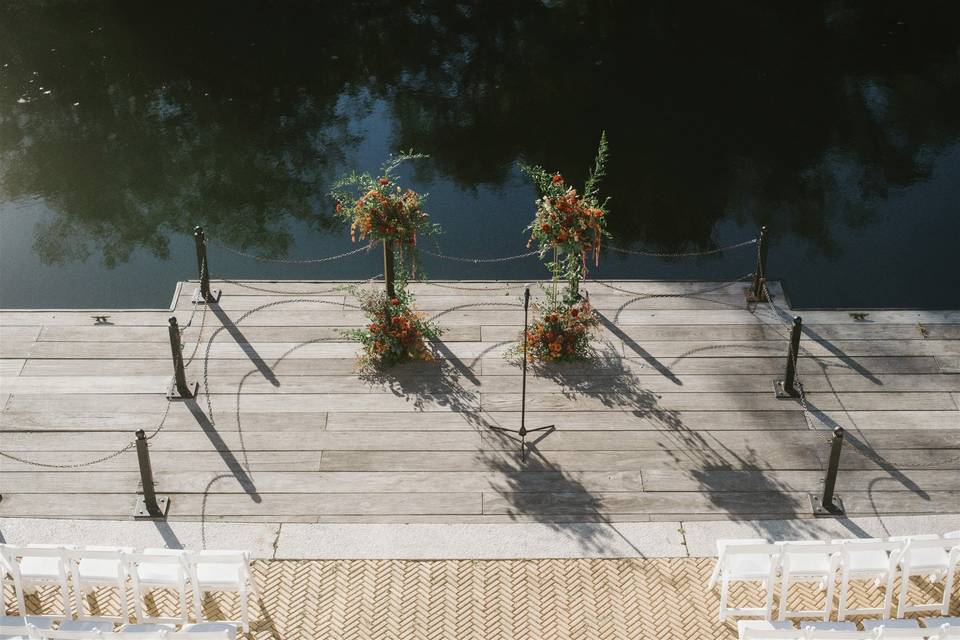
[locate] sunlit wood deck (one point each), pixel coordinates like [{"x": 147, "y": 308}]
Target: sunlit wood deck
[{"x": 677, "y": 419}]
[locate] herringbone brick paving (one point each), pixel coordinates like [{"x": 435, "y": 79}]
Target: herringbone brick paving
[{"x": 655, "y": 599}]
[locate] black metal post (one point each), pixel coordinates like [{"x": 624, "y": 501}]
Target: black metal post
[
  {"x": 789, "y": 387},
  {"x": 830, "y": 504},
  {"x": 148, "y": 505},
  {"x": 757, "y": 290},
  {"x": 179, "y": 388},
  {"x": 523, "y": 431},
  {"x": 203, "y": 294},
  {"x": 388, "y": 267}
]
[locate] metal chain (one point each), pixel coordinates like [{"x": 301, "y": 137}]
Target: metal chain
[
  {"x": 292, "y": 293},
  {"x": 684, "y": 254},
  {"x": 479, "y": 260},
  {"x": 441, "y": 285},
  {"x": 289, "y": 260},
  {"x": 645, "y": 294},
  {"x": 90, "y": 463}
]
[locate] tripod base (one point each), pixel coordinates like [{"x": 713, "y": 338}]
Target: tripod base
[{"x": 522, "y": 432}]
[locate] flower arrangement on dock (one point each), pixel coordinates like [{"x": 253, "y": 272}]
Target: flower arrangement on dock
[
  {"x": 397, "y": 332},
  {"x": 380, "y": 209},
  {"x": 560, "y": 331},
  {"x": 568, "y": 227}
]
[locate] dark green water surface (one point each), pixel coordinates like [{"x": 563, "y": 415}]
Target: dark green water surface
[{"x": 123, "y": 124}]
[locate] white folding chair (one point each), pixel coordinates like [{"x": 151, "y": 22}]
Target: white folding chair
[
  {"x": 901, "y": 624},
  {"x": 932, "y": 556},
  {"x": 839, "y": 634},
  {"x": 33, "y": 566},
  {"x": 767, "y": 630},
  {"x": 18, "y": 627},
  {"x": 206, "y": 631},
  {"x": 222, "y": 571},
  {"x": 158, "y": 569},
  {"x": 156, "y": 634},
  {"x": 93, "y": 567},
  {"x": 947, "y": 626},
  {"x": 874, "y": 560},
  {"x": 147, "y": 627},
  {"x": 87, "y": 624},
  {"x": 808, "y": 561},
  {"x": 745, "y": 561},
  {"x": 89, "y": 629},
  {"x": 890, "y": 630},
  {"x": 6, "y": 575}
]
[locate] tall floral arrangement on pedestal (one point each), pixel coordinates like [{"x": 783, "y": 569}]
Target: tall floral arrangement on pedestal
[
  {"x": 380, "y": 210},
  {"x": 568, "y": 229}
]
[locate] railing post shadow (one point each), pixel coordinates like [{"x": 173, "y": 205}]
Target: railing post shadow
[
  {"x": 179, "y": 388},
  {"x": 203, "y": 293},
  {"x": 758, "y": 288},
  {"x": 830, "y": 504},
  {"x": 148, "y": 505},
  {"x": 789, "y": 387}
]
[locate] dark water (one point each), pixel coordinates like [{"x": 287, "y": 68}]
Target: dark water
[{"x": 123, "y": 124}]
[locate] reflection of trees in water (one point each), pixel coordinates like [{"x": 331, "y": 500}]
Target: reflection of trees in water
[{"x": 234, "y": 115}]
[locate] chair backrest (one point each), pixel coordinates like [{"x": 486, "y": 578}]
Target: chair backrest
[
  {"x": 887, "y": 633},
  {"x": 14, "y": 554},
  {"x": 57, "y": 634},
  {"x": 831, "y": 634},
  {"x": 199, "y": 635},
  {"x": 239, "y": 559},
  {"x": 75, "y": 556},
  {"x": 751, "y": 549}
]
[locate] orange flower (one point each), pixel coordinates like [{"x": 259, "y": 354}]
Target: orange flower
[
  {"x": 545, "y": 228},
  {"x": 557, "y": 178},
  {"x": 383, "y": 181}
]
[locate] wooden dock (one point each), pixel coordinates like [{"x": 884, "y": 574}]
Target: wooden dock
[{"x": 676, "y": 420}]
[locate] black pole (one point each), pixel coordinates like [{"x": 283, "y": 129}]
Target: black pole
[
  {"x": 388, "y": 267},
  {"x": 757, "y": 292},
  {"x": 179, "y": 387},
  {"x": 830, "y": 504},
  {"x": 789, "y": 387},
  {"x": 523, "y": 431},
  {"x": 147, "y": 506},
  {"x": 203, "y": 294}
]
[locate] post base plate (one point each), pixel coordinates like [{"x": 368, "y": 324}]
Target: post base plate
[
  {"x": 781, "y": 392},
  {"x": 174, "y": 394},
  {"x": 198, "y": 299},
  {"x": 140, "y": 511},
  {"x": 820, "y": 510}
]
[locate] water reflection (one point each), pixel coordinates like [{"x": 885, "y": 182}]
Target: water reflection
[{"x": 131, "y": 121}]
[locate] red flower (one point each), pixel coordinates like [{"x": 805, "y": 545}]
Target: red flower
[
  {"x": 339, "y": 207},
  {"x": 545, "y": 228},
  {"x": 556, "y": 178},
  {"x": 383, "y": 181},
  {"x": 574, "y": 312},
  {"x": 394, "y": 301}
]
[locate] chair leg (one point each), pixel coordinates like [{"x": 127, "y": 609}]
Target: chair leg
[
  {"x": 724, "y": 592},
  {"x": 124, "y": 605},
  {"x": 198, "y": 603},
  {"x": 947, "y": 592},
  {"x": 78, "y": 595},
  {"x": 138, "y": 603},
  {"x": 768, "y": 597},
  {"x": 185, "y": 614},
  {"x": 244, "y": 611},
  {"x": 902, "y": 600},
  {"x": 828, "y": 605},
  {"x": 888, "y": 596},
  {"x": 784, "y": 589},
  {"x": 842, "y": 604},
  {"x": 65, "y": 598}
]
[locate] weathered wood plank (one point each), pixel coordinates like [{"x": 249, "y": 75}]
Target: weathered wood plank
[
  {"x": 172, "y": 461},
  {"x": 11, "y": 366},
  {"x": 120, "y": 333}
]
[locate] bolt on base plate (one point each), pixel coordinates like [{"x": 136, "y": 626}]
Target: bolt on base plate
[
  {"x": 140, "y": 511},
  {"x": 783, "y": 393},
  {"x": 198, "y": 299},
  {"x": 834, "y": 510},
  {"x": 173, "y": 394}
]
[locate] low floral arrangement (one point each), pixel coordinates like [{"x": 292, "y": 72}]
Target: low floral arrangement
[
  {"x": 396, "y": 333},
  {"x": 379, "y": 208},
  {"x": 569, "y": 226},
  {"x": 561, "y": 331}
]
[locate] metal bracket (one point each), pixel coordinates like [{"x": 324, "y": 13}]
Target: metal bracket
[
  {"x": 820, "y": 510},
  {"x": 174, "y": 394},
  {"x": 141, "y": 512},
  {"x": 783, "y": 393},
  {"x": 752, "y": 298},
  {"x": 198, "y": 299}
]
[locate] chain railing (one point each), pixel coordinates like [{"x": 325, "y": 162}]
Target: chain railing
[
  {"x": 444, "y": 256},
  {"x": 684, "y": 254}
]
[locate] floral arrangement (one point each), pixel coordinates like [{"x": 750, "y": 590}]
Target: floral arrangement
[
  {"x": 561, "y": 331},
  {"x": 569, "y": 225},
  {"x": 396, "y": 333},
  {"x": 378, "y": 208}
]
